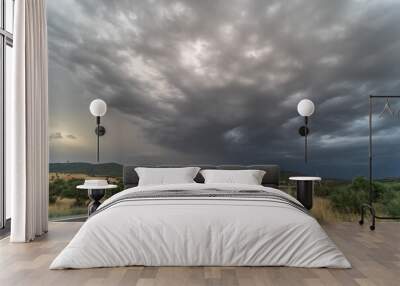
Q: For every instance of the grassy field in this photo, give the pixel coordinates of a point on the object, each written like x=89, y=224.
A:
x=79, y=176
x=322, y=211
x=64, y=208
x=334, y=201
x=65, y=200
x=66, y=176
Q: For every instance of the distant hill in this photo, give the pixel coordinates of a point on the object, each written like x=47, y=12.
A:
x=389, y=179
x=284, y=176
x=106, y=169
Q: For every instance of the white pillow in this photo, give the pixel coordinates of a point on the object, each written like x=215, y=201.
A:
x=165, y=176
x=248, y=177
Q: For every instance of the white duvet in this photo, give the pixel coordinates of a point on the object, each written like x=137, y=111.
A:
x=199, y=231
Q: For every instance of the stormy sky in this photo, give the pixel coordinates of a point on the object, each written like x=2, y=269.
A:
x=200, y=82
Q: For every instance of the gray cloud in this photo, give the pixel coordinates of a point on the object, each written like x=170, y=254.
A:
x=60, y=135
x=71, y=136
x=219, y=83
x=56, y=136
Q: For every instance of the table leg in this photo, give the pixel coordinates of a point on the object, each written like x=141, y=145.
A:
x=305, y=193
x=95, y=197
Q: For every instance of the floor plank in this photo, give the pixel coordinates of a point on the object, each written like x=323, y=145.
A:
x=375, y=257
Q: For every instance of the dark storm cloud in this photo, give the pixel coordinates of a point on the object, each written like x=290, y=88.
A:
x=221, y=79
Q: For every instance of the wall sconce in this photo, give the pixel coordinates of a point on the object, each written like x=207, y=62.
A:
x=98, y=108
x=305, y=108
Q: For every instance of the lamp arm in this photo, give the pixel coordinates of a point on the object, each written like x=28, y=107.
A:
x=305, y=140
x=98, y=138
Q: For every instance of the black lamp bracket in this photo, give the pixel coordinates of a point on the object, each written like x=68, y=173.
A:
x=100, y=130
x=303, y=131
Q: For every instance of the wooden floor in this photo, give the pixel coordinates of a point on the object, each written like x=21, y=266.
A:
x=375, y=257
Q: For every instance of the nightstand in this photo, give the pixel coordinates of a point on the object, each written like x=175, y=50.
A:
x=96, y=190
x=305, y=189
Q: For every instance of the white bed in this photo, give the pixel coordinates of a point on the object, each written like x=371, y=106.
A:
x=205, y=230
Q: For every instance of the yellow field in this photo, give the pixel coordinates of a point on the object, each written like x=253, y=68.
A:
x=66, y=176
x=63, y=207
x=323, y=212
x=69, y=176
x=322, y=209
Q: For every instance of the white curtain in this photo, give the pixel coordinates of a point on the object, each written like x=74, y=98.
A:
x=26, y=124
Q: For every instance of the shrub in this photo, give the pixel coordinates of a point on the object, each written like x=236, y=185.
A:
x=52, y=199
x=391, y=201
x=112, y=192
x=351, y=197
x=322, y=190
x=348, y=200
x=67, y=189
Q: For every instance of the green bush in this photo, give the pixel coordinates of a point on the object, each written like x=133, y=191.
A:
x=391, y=201
x=349, y=198
x=322, y=190
x=112, y=192
x=52, y=198
x=61, y=188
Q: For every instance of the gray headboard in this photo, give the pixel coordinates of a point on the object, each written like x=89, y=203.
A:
x=271, y=177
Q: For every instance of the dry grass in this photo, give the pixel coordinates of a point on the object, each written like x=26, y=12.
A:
x=66, y=176
x=322, y=210
x=64, y=207
x=69, y=176
x=62, y=204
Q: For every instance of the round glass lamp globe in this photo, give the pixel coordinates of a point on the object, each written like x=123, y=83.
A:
x=98, y=107
x=305, y=107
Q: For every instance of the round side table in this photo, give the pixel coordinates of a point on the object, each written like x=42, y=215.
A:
x=305, y=189
x=95, y=193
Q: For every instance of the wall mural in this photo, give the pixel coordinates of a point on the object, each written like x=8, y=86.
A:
x=218, y=82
